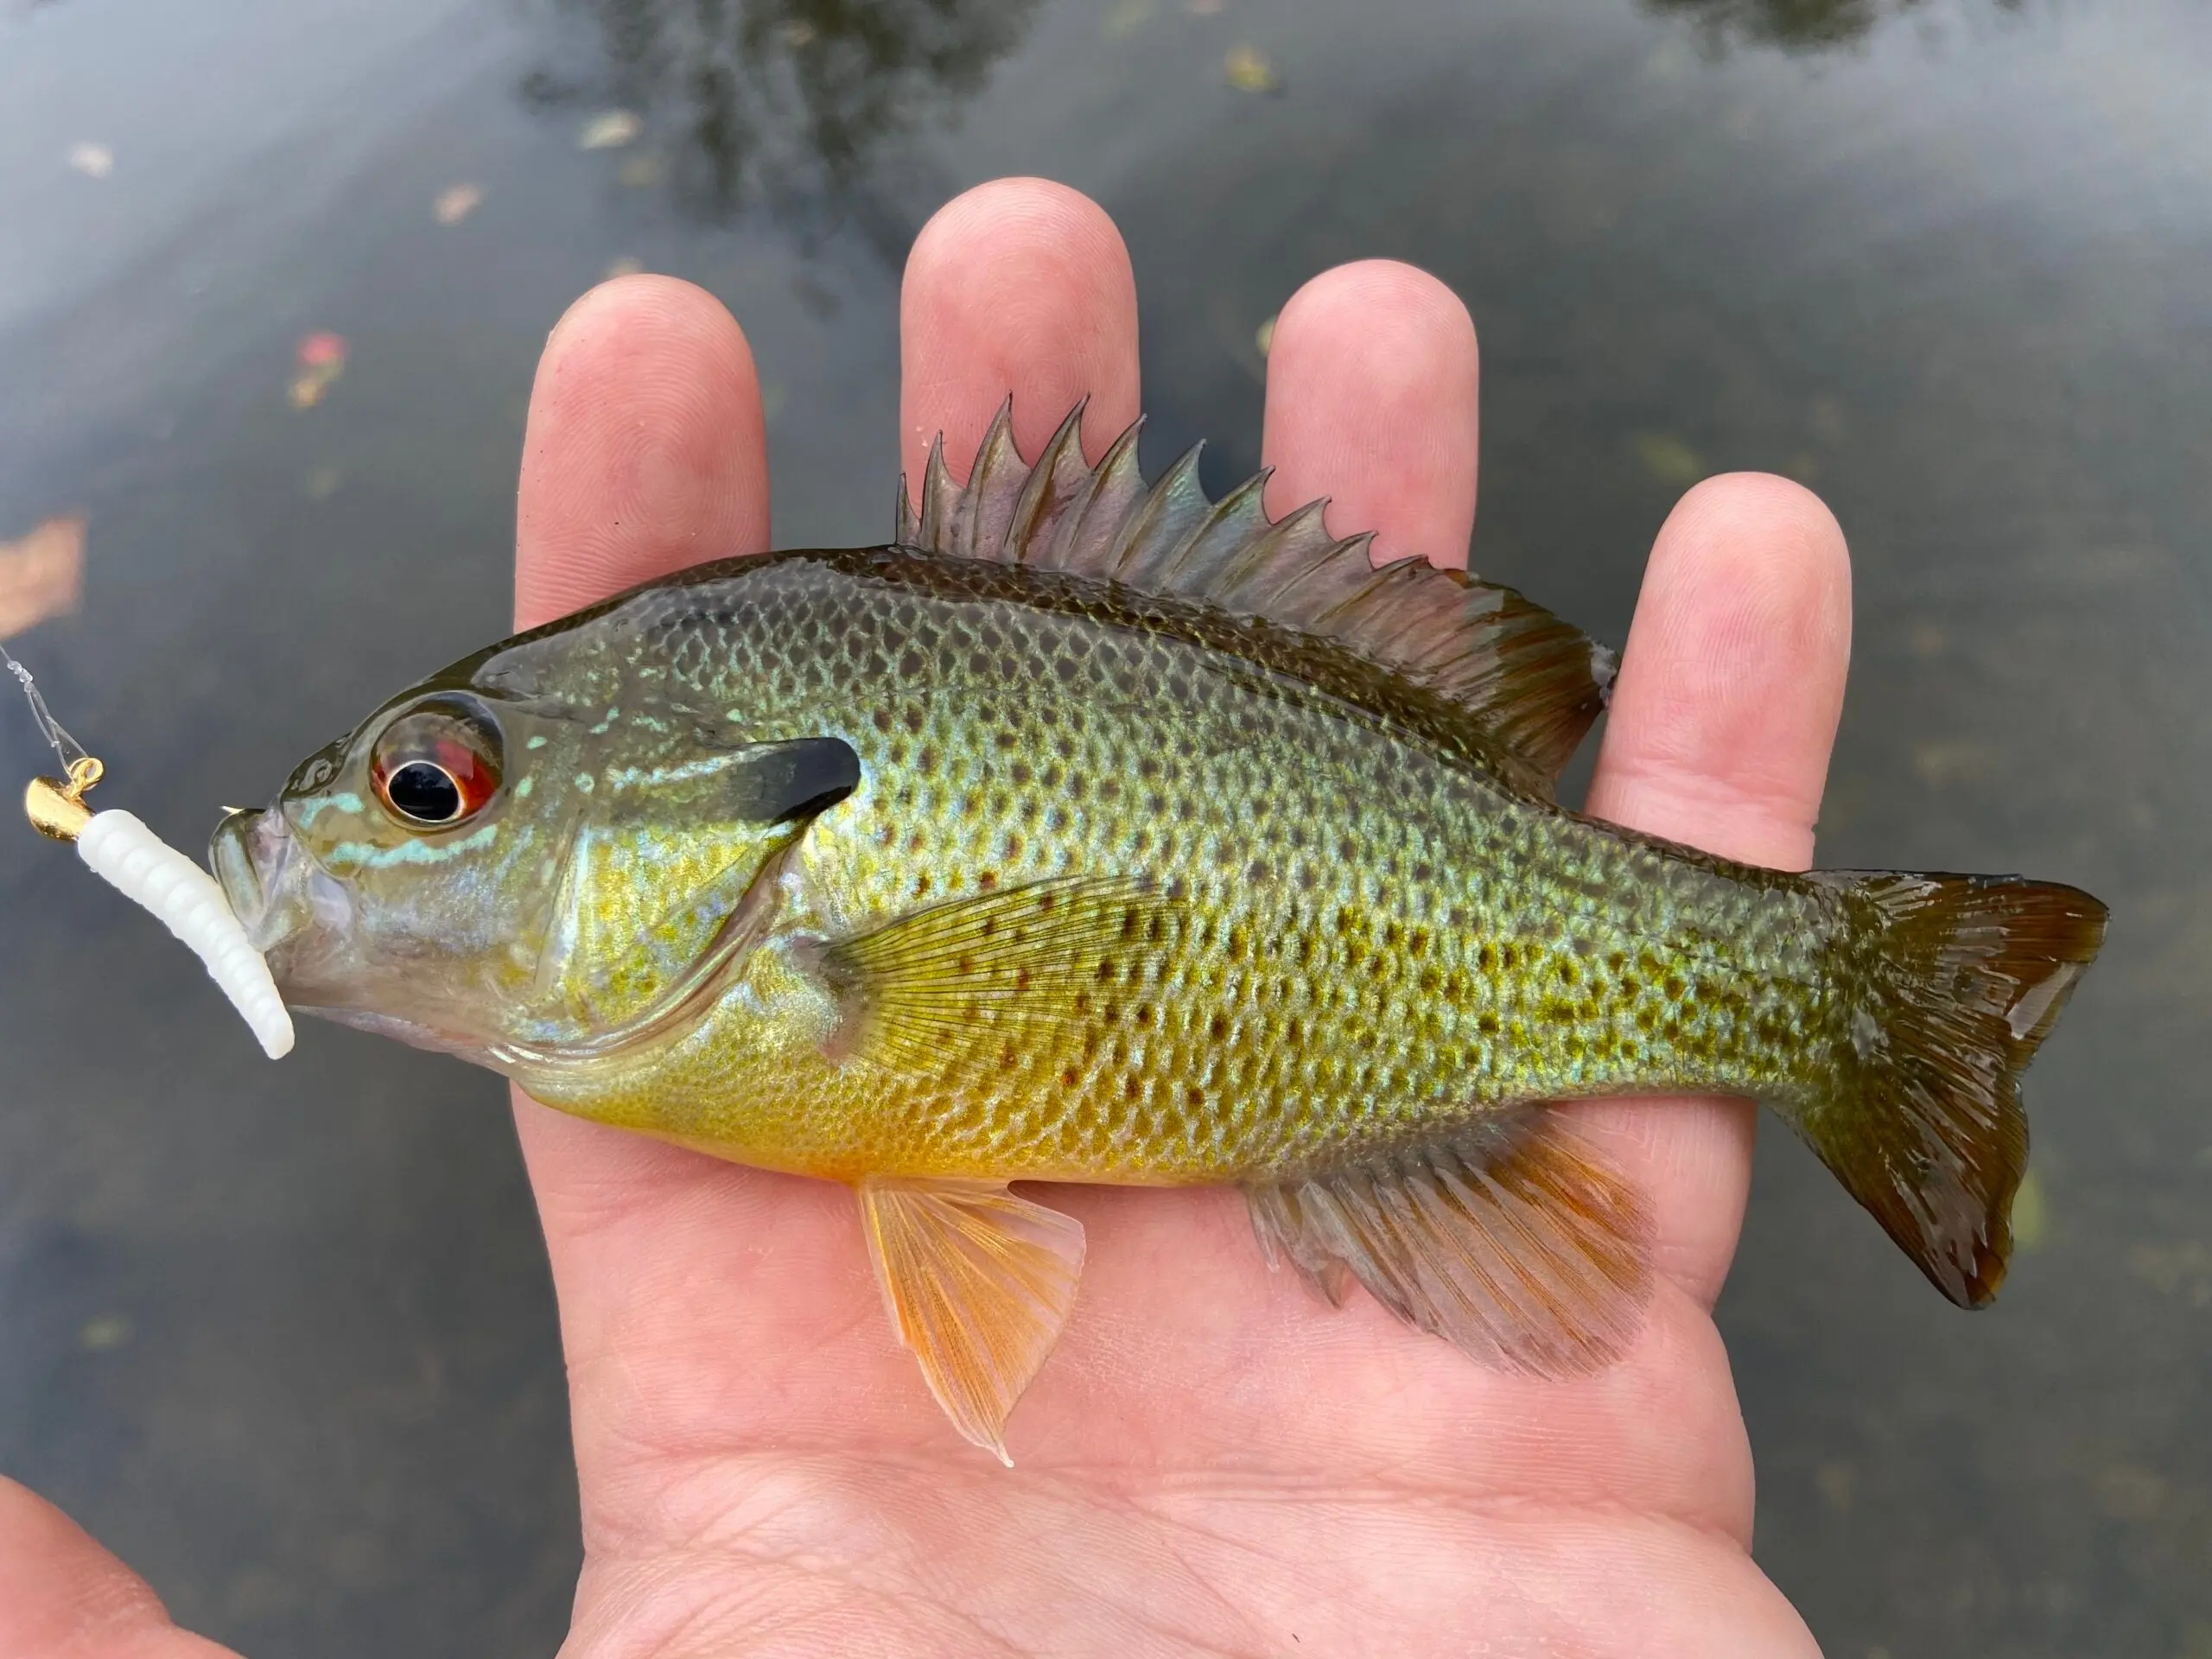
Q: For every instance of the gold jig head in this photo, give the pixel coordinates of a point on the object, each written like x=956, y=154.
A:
x=57, y=806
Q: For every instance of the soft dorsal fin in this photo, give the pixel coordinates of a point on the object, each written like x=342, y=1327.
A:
x=1528, y=684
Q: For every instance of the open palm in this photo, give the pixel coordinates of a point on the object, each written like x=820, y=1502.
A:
x=1211, y=1461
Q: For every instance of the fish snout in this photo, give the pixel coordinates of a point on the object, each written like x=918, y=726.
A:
x=261, y=869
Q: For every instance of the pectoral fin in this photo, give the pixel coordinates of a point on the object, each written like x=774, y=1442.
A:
x=978, y=1283
x=1016, y=965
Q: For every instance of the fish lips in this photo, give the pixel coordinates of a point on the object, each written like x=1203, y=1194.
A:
x=293, y=913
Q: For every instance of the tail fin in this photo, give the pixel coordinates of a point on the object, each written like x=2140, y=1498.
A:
x=1960, y=978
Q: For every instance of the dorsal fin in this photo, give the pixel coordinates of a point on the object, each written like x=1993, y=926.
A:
x=1529, y=683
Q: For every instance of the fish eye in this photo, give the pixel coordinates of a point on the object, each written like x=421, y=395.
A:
x=436, y=766
x=425, y=792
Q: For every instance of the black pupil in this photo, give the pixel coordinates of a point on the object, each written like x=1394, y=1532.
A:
x=424, y=792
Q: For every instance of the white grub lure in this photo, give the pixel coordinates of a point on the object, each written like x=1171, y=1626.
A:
x=123, y=852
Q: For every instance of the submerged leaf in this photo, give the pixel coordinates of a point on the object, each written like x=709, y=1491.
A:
x=42, y=575
x=609, y=130
x=320, y=358
x=2030, y=1214
x=1125, y=18
x=1668, y=460
x=456, y=202
x=1249, y=71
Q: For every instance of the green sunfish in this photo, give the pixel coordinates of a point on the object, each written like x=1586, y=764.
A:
x=1093, y=831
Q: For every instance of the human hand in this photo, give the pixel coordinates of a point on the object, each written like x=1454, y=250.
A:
x=1211, y=1460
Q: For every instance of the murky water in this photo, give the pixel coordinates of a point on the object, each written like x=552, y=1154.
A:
x=283, y=1335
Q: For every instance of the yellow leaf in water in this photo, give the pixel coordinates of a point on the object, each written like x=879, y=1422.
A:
x=1264, y=335
x=1839, y=1484
x=1125, y=18
x=1668, y=460
x=1942, y=762
x=626, y=266
x=105, y=1334
x=456, y=203
x=609, y=130
x=2030, y=1214
x=1249, y=71
x=42, y=576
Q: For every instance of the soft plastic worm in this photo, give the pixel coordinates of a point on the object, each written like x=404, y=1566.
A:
x=184, y=897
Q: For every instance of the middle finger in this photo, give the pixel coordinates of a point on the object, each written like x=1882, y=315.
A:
x=1019, y=287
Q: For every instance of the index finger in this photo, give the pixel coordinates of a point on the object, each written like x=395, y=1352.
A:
x=645, y=452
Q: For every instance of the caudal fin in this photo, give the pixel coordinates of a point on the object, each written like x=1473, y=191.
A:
x=1959, y=979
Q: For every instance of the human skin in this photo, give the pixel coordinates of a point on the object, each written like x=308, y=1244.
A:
x=1211, y=1461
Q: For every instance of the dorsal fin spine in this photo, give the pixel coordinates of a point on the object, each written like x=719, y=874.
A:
x=994, y=486
x=1152, y=535
x=1282, y=539
x=936, y=488
x=1095, y=501
x=1238, y=519
x=1037, y=502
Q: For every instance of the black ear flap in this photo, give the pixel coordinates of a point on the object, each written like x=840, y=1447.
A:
x=782, y=782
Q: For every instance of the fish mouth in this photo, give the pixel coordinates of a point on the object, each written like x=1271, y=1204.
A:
x=281, y=896
x=301, y=918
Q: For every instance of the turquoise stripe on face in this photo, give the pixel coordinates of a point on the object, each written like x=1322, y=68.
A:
x=410, y=852
x=313, y=810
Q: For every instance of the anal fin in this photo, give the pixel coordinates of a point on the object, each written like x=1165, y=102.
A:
x=978, y=1283
x=1511, y=1242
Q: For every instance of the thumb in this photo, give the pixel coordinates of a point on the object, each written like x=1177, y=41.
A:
x=63, y=1596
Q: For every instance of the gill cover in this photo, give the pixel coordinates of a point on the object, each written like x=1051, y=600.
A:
x=669, y=872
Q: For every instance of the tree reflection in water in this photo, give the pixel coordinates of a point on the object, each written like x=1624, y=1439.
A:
x=781, y=100
x=1797, y=25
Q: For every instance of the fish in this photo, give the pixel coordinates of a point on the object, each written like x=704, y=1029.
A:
x=1092, y=830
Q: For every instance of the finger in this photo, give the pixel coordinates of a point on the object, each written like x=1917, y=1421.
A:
x=645, y=449
x=61, y=1595
x=1373, y=383
x=1726, y=710
x=1018, y=288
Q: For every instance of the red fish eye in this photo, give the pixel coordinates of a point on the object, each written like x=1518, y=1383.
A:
x=436, y=767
